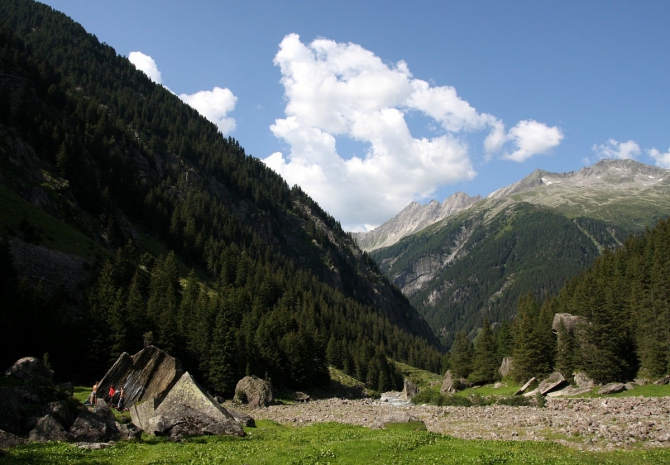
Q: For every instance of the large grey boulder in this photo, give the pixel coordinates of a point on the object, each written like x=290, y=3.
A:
x=570, y=322
x=242, y=419
x=583, y=380
x=98, y=425
x=505, y=367
x=185, y=411
x=526, y=386
x=451, y=384
x=254, y=391
x=409, y=390
x=29, y=367
x=554, y=382
x=63, y=411
x=8, y=440
x=612, y=388
x=48, y=429
x=148, y=374
x=400, y=417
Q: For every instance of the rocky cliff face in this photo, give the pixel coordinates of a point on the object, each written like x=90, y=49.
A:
x=413, y=218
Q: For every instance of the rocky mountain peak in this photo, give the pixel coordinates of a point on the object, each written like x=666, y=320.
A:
x=413, y=218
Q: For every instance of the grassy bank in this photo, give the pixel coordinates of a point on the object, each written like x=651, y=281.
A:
x=328, y=443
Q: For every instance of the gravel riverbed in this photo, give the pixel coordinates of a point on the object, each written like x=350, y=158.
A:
x=592, y=424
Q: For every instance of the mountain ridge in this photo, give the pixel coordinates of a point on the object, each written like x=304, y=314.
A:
x=528, y=237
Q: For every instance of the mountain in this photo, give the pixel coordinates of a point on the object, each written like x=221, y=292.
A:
x=529, y=236
x=112, y=189
x=413, y=218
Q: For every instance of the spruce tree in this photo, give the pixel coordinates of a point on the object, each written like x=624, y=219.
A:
x=485, y=361
x=461, y=355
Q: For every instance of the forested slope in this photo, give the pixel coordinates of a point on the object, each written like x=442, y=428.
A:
x=153, y=188
x=478, y=263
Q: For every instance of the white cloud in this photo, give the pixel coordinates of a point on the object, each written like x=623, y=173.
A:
x=214, y=105
x=662, y=159
x=532, y=138
x=337, y=90
x=615, y=149
x=147, y=65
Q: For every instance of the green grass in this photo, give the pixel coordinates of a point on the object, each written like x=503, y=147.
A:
x=508, y=389
x=650, y=390
x=326, y=443
x=421, y=378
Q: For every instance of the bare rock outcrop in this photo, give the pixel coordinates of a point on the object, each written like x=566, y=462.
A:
x=148, y=374
x=255, y=392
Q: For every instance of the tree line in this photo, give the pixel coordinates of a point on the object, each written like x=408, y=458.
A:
x=624, y=332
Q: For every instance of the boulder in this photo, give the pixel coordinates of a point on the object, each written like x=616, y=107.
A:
x=570, y=322
x=612, y=388
x=525, y=387
x=505, y=367
x=300, y=396
x=47, y=429
x=555, y=381
x=148, y=374
x=254, y=391
x=128, y=431
x=94, y=426
x=62, y=411
x=8, y=440
x=451, y=385
x=242, y=418
x=10, y=410
x=641, y=381
x=400, y=417
x=185, y=411
x=29, y=367
x=664, y=380
x=409, y=390
x=582, y=380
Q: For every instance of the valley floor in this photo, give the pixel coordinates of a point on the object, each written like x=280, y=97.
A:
x=598, y=424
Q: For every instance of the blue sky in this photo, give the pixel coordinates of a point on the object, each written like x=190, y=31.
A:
x=369, y=105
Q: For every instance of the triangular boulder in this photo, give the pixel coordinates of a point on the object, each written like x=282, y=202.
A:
x=148, y=374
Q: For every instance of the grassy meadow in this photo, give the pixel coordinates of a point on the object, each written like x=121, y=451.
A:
x=327, y=443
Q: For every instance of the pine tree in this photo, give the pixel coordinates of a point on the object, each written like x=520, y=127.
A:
x=528, y=357
x=485, y=361
x=461, y=355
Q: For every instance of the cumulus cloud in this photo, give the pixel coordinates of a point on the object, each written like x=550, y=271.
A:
x=662, y=159
x=214, y=105
x=147, y=65
x=339, y=91
x=615, y=149
x=532, y=138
